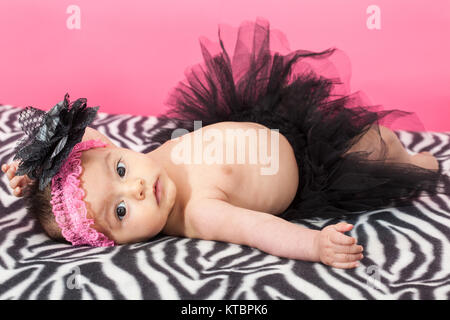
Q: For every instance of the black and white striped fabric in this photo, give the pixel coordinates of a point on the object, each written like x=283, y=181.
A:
x=407, y=250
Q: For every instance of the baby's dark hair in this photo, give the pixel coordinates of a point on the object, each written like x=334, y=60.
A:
x=38, y=205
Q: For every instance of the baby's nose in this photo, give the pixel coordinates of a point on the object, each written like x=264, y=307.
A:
x=139, y=189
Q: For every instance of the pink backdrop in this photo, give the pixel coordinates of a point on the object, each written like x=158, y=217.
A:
x=126, y=55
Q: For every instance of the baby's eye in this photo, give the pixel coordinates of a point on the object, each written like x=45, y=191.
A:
x=121, y=210
x=120, y=169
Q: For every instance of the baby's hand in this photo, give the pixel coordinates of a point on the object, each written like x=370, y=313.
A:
x=17, y=183
x=336, y=249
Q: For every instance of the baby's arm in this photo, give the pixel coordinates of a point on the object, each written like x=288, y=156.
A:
x=213, y=219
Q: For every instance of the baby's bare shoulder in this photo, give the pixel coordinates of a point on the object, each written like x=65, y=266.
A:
x=235, y=125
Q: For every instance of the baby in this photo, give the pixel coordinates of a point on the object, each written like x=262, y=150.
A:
x=133, y=196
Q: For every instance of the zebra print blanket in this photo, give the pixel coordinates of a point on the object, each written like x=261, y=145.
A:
x=407, y=250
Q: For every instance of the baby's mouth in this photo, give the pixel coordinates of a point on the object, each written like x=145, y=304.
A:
x=156, y=190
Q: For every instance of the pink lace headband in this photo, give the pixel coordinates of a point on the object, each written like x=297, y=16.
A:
x=67, y=200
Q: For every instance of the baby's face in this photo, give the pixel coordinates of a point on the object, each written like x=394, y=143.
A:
x=119, y=193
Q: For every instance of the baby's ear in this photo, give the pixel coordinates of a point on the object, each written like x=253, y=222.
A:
x=91, y=133
x=110, y=145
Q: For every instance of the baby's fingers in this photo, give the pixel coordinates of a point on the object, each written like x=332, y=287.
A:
x=5, y=167
x=348, y=257
x=17, y=192
x=12, y=164
x=348, y=249
x=342, y=239
x=11, y=172
x=18, y=181
x=345, y=265
x=343, y=227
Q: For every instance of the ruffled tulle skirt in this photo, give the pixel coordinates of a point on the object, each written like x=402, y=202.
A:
x=306, y=96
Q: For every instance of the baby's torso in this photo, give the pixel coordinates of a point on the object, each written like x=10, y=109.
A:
x=243, y=163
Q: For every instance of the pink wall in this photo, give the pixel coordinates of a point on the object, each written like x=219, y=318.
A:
x=128, y=54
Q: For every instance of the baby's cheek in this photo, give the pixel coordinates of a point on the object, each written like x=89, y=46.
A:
x=146, y=225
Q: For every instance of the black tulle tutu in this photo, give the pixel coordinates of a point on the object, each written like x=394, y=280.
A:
x=306, y=97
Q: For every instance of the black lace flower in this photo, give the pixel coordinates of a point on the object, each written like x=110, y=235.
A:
x=50, y=137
